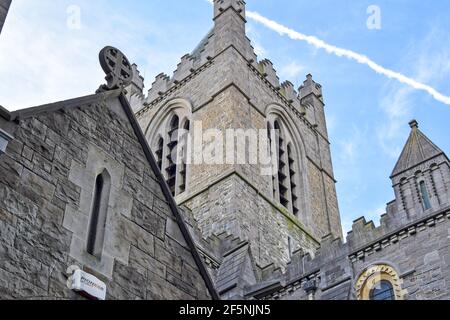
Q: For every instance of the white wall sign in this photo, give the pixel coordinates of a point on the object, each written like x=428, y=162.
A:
x=86, y=284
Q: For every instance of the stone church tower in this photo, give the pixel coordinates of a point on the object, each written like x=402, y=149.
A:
x=155, y=206
x=222, y=85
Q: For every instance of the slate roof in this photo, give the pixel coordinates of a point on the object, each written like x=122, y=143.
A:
x=232, y=268
x=417, y=150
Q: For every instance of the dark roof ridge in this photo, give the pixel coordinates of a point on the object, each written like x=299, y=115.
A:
x=65, y=104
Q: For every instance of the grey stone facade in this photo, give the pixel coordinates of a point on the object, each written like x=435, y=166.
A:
x=4, y=7
x=411, y=247
x=209, y=231
x=46, y=189
x=222, y=85
x=254, y=246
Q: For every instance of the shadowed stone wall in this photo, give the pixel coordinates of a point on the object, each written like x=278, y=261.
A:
x=46, y=187
x=417, y=256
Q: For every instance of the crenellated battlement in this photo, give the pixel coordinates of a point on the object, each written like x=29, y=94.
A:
x=220, y=6
x=310, y=87
x=184, y=68
x=331, y=269
x=159, y=87
x=268, y=71
x=362, y=241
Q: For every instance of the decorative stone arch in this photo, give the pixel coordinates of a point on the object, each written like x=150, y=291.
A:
x=179, y=106
x=294, y=138
x=374, y=275
x=423, y=188
x=436, y=179
x=160, y=126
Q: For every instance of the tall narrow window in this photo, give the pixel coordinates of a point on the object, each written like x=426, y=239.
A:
x=183, y=172
x=290, y=247
x=292, y=175
x=173, y=153
x=425, y=196
x=282, y=177
x=97, y=223
x=159, y=152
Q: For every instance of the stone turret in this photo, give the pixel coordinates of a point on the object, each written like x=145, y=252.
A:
x=135, y=91
x=229, y=23
x=421, y=177
x=310, y=94
x=221, y=6
x=159, y=86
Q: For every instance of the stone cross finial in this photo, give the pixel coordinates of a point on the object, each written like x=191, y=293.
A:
x=414, y=124
x=119, y=72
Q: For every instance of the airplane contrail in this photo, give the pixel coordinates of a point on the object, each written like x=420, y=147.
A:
x=341, y=52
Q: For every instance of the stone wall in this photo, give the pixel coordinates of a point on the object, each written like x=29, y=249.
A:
x=417, y=255
x=46, y=187
x=229, y=93
x=225, y=208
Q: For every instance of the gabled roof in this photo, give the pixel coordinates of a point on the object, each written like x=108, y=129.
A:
x=417, y=150
x=237, y=270
x=118, y=94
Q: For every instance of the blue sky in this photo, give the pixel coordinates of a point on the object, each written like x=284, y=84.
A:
x=42, y=60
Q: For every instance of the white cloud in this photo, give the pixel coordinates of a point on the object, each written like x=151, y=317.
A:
x=352, y=147
x=348, y=149
x=341, y=52
x=42, y=60
x=397, y=106
x=260, y=50
x=430, y=60
x=292, y=71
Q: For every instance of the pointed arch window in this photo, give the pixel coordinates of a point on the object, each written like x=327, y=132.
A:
x=172, y=155
x=425, y=195
x=99, y=210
